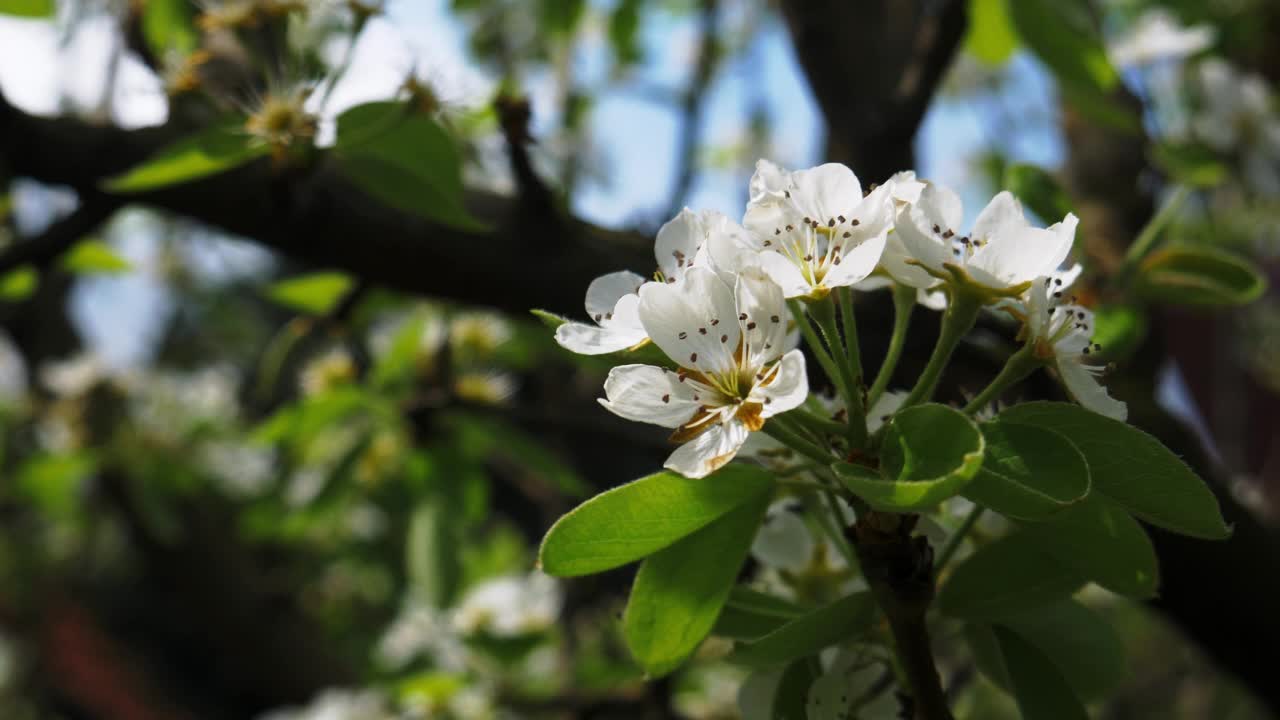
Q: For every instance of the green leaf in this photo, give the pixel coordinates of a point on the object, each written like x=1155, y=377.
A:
x=550, y=319
x=635, y=520
x=1029, y=473
x=791, y=699
x=750, y=615
x=560, y=17
x=1104, y=544
x=167, y=26
x=19, y=283
x=1038, y=686
x=1039, y=190
x=1061, y=33
x=811, y=633
x=624, y=32
x=1198, y=275
x=1132, y=468
x=28, y=8
x=53, y=482
x=94, y=256
x=398, y=362
x=431, y=555
x=680, y=590
x=1079, y=642
x=1119, y=329
x=991, y=38
x=930, y=452
x=314, y=294
x=1190, y=164
x=405, y=159
x=1006, y=577
x=204, y=154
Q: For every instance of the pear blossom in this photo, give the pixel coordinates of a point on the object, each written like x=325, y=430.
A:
x=613, y=299
x=509, y=606
x=1001, y=253
x=810, y=230
x=1238, y=117
x=1062, y=333
x=729, y=341
x=1157, y=35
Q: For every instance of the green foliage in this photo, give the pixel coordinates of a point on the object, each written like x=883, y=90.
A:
x=1039, y=190
x=680, y=590
x=432, y=561
x=1038, y=686
x=1190, y=164
x=1198, y=275
x=1006, y=577
x=790, y=700
x=1104, y=544
x=992, y=37
x=93, y=257
x=314, y=294
x=1119, y=329
x=624, y=32
x=750, y=615
x=1078, y=641
x=28, y=8
x=635, y=520
x=207, y=152
x=834, y=623
x=167, y=26
x=405, y=159
x=1132, y=468
x=929, y=453
x=1029, y=473
x=53, y=482
x=19, y=284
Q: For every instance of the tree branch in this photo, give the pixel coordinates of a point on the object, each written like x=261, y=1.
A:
x=322, y=219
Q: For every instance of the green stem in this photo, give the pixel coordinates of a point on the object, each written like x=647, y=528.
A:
x=1146, y=240
x=824, y=312
x=957, y=537
x=777, y=430
x=904, y=302
x=838, y=538
x=815, y=343
x=1020, y=365
x=853, y=351
x=817, y=423
x=962, y=313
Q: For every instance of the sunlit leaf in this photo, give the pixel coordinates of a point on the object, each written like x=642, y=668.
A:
x=810, y=633
x=28, y=8
x=314, y=294
x=1198, y=275
x=209, y=152
x=992, y=37
x=1029, y=473
x=18, y=284
x=167, y=26
x=94, y=256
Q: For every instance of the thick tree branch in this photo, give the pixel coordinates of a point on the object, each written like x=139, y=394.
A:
x=874, y=67
x=322, y=219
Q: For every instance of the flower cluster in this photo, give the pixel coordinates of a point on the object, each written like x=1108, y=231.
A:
x=726, y=296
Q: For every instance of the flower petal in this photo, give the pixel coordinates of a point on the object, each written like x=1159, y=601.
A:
x=787, y=390
x=1085, y=388
x=649, y=394
x=785, y=273
x=783, y=540
x=769, y=181
x=605, y=291
x=587, y=339
x=762, y=315
x=1003, y=214
x=1011, y=258
x=708, y=452
x=856, y=263
x=894, y=260
x=922, y=244
x=885, y=406
x=694, y=322
x=825, y=192
x=678, y=243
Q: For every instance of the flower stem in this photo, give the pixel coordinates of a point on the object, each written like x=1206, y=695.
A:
x=777, y=429
x=962, y=313
x=953, y=542
x=1146, y=240
x=811, y=338
x=853, y=351
x=904, y=302
x=817, y=423
x=824, y=313
x=1019, y=365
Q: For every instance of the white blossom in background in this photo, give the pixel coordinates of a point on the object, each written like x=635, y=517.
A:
x=784, y=541
x=1157, y=35
x=73, y=376
x=841, y=692
x=1238, y=117
x=884, y=407
x=13, y=373
x=509, y=606
x=435, y=332
x=485, y=387
x=1062, y=333
x=241, y=470
x=326, y=371
x=422, y=631
x=729, y=342
x=170, y=403
x=1002, y=252
x=613, y=300
x=811, y=230
x=479, y=332
x=338, y=704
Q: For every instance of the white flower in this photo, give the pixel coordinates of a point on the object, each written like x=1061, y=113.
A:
x=421, y=630
x=884, y=407
x=1002, y=252
x=240, y=469
x=1238, y=117
x=485, y=387
x=74, y=376
x=1062, y=334
x=729, y=343
x=509, y=606
x=326, y=371
x=784, y=540
x=1157, y=35
x=613, y=299
x=810, y=230
x=339, y=704
x=479, y=332
x=613, y=302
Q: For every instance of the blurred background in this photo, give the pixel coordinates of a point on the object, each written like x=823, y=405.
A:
x=279, y=436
